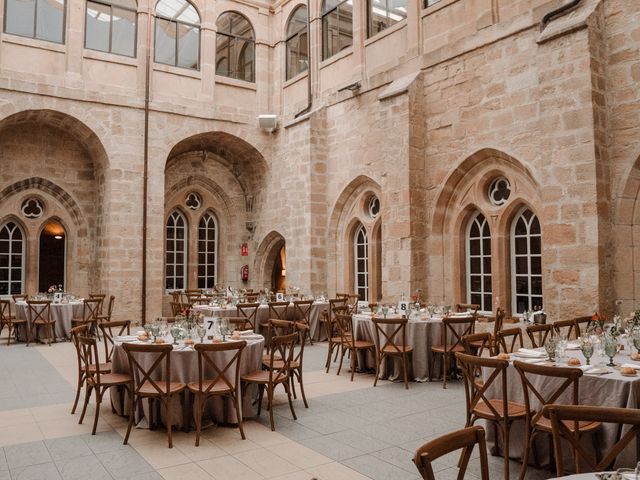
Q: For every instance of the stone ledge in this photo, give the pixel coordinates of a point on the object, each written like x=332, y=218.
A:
x=576, y=19
x=399, y=86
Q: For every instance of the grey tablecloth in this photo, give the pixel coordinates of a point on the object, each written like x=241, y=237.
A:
x=184, y=368
x=62, y=313
x=317, y=308
x=421, y=335
x=611, y=390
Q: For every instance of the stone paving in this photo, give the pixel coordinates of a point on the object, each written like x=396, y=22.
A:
x=351, y=430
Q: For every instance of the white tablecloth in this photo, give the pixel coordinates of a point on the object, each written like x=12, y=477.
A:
x=184, y=368
x=62, y=313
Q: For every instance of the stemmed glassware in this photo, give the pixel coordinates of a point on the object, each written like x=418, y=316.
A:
x=587, y=348
x=201, y=331
x=224, y=328
x=385, y=310
x=550, y=346
x=176, y=333
x=610, y=349
x=155, y=330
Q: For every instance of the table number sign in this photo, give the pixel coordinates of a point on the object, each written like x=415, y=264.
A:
x=57, y=297
x=279, y=297
x=403, y=307
x=211, y=324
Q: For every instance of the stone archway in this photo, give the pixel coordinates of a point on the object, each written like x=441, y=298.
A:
x=267, y=256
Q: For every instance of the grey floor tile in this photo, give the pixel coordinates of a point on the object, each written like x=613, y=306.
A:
x=397, y=456
x=103, y=442
x=82, y=468
x=26, y=454
x=363, y=442
x=44, y=471
x=124, y=463
x=143, y=476
x=65, y=448
x=3, y=460
x=378, y=469
x=331, y=448
x=5, y=475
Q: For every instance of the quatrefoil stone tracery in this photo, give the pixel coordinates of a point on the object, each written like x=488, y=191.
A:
x=499, y=191
x=193, y=201
x=32, y=208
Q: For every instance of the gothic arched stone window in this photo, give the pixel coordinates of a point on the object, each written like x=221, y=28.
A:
x=478, y=262
x=207, y=250
x=361, y=263
x=176, y=251
x=526, y=262
x=11, y=259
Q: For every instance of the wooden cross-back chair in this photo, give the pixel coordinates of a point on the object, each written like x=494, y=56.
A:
x=281, y=356
x=39, y=315
x=465, y=439
x=90, y=312
x=96, y=381
x=550, y=392
x=538, y=333
x=451, y=325
x=177, y=308
x=465, y=307
x=348, y=343
x=329, y=321
x=120, y=327
x=246, y=315
x=571, y=328
x=216, y=383
x=352, y=302
x=481, y=405
x=582, y=325
x=144, y=385
x=101, y=297
x=509, y=339
x=477, y=343
x=493, y=342
x=10, y=321
x=388, y=346
x=107, y=317
x=302, y=313
x=75, y=333
x=20, y=297
x=277, y=311
x=275, y=328
x=562, y=416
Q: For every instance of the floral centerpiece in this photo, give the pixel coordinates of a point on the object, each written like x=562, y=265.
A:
x=52, y=289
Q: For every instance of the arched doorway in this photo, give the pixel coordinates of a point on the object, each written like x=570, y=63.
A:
x=51, y=263
x=279, y=272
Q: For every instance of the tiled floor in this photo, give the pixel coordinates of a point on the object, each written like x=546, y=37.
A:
x=350, y=431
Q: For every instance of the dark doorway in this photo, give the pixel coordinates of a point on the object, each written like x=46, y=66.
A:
x=278, y=275
x=53, y=241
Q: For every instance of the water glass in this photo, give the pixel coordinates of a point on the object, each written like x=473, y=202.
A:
x=551, y=346
x=385, y=310
x=611, y=349
x=587, y=349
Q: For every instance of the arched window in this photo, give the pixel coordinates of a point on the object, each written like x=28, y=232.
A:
x=177, y=34
x=235, y=41
x=384, y=13
x=297, y=60
x=207, y=251
x=361, y=263
x=337, y=26
x=41, y=19
x=176, y=252
x=11, y=259
x=526, y=262
x=111, y=26
x=479, y=263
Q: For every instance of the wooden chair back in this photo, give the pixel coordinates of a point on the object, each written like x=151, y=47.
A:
x=217, y=374
x=509, y=339
x=249, y=311
x=344, y=323
x=476, y=388
x=5, y=311
x=342, y=296
x=563, y=415
x=452, y=327
x=281, y=354
x=100, y=297
x=303, y=330
x=192, y=297
x=499, y=322
x=141, y=375
x=20, y=297
x=302, y=310
x=87, y=349
x=112, y=300
x=251, y=297
x=465, y=307
x=550, y=392
x=538, y=333
x=108, y=335
x=177, y=308
x=571, y=328
x=582, y=325
x=477, y=343
x=176, y=296
x=398, y=327
x=39, y=310
x=352, y=302
x=91, y=309
x=278, y=310
x=465, y=439
x=276, y=327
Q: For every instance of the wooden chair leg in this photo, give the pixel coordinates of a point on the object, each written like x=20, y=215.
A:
x=341, y=358
x=97, y=414
x=293, y=413
x=378, y=362
x=236, y=404
x=197, y=417
x=78, y=388
x=329, y=352
x=445, y=365
x=87, y=397
x=270, y=406
x=167, y=408
x=405, y=365
x=525, y=456
x=304, y=397
x=354, y=361
x=133, y=407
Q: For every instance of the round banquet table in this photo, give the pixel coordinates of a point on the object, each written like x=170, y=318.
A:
x=420, y=334
x=62, y=313
x=609, y=390
x=317, y=308
x=184, y=369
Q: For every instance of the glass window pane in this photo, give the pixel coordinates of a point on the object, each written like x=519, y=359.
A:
x=474, y=265
x=536, y=265
x=486, y=246
x=188, y=46
x=474, y=247
x=97, y=30
x=536, y=302
x=123, y=41
x=522, y=285
x=298, y=21
x=378, y=20
x=521, y=227
x=475, y=283
x=346, y=25
x=535, y=245
x=522, y=265
x=536, y=285
x=19, y=17
x=165, y=46
x=487, y=303
x=521, y=245
x=486, y=264
x=487, y=283
x=476, y=298
x=50, y=20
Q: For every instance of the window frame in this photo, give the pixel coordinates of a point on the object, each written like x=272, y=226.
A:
x=174, y=252
x=211, y=215
x=177, y=23
x=23, y=255
x=370, y=33
x=135, y=28
x=231, y=39
x=296, y=35
x=35, y=24
x=481, y=256
x=528, y=256
x=356, y=258
x=322, y=27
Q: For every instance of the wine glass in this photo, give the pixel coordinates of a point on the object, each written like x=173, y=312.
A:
x=550, y=346
x=224, y=328
x=201, y=331
x=385, y=310
x=587, y=348
x=155, y=330
x=636, y=339
x=176, y=333
x=610, y=349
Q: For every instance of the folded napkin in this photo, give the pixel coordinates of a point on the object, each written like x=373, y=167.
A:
x=573, y=346
x=126, y=338
x=246, y=332
x=461, y=314
x=630, y=365
x=527, y=352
